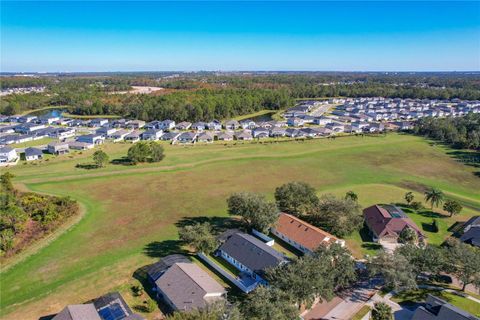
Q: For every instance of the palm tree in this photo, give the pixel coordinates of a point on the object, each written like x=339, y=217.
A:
x=434, y=196
x=382, y=311
x=351, y=195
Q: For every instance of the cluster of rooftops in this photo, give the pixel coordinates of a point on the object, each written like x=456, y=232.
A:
x=183, y=285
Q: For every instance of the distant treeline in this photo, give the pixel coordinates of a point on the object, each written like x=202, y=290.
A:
x=462, y=132
x=206, y=96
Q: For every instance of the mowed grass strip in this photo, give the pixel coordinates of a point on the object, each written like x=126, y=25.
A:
x=132, y=212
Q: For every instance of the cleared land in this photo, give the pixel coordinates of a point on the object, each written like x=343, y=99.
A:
x=132, y=211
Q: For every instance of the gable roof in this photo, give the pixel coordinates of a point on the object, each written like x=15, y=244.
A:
x=302, y=232
x=472, y=236
x=155, y=270
x=33, y=152
x=251, y=252
x=388, y=220
x=78, y=312
x=185, y=285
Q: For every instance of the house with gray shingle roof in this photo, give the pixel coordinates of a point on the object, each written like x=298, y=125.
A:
x=250, y=255
x=185, y=286
x=33, y=154
x=438, y=309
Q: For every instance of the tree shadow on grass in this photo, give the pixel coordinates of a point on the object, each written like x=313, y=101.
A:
x=158, y=249
x=49, y=317
x=219, y=224
x=87, y=166
x=371, y=246
x=428, y=227
x=124, y=161
x=431, y=214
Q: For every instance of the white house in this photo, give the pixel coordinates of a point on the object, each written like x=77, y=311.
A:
x=7, y=154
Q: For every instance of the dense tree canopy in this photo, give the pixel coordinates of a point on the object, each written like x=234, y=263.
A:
x=255, y=211
x=297, y=198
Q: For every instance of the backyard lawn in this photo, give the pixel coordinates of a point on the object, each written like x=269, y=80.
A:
x=132, y=212
x=414, y=296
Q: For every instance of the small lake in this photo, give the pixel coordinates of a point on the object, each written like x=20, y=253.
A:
x=263, y=117
x=48, y=113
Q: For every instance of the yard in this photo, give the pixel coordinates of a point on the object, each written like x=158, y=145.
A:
x=132, y=211
x=414, y=296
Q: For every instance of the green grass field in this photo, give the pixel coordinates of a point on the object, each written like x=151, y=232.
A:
x=32, y=143
x=132, y=211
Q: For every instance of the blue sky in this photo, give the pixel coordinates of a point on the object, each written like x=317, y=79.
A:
x=343, y=36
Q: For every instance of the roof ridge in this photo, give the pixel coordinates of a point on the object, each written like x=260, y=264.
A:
x=309, y=225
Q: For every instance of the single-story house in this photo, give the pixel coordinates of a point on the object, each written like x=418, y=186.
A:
x=110, y=306
x=133, y=136
x=94, y=139
x=28, y=127
x=295, y=122
x=119, y=135
x=260, y=133
x=225, y=136
x=33, y=154
x=250, y=255
x=302, y=235
x=232, y=125
x=98, y=123
x=135, y=124
x=77, y=145
x=386, y=222
x=187, y=137
x=170, y=136
x=105, y=131
x=243, y=135
x=438, y=309
x=26, y=118
x=278, y=132
x=205, y=137
x=7, y=154
x=184, y=125
x=184, y=286
x=214, y=125
x=471, y=231
x=166, y=125
x=248, y=124
x=199, y=126
x=152, y=134
x=57, y=148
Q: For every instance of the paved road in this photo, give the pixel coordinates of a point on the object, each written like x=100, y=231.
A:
x=320, y=110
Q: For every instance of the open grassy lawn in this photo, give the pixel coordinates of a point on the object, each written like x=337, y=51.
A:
x=33, y=143
x=132, y=212
x=413, y=296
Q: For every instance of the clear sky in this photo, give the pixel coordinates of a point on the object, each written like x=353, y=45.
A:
x=157, y=36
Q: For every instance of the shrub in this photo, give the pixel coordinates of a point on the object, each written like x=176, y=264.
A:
x=416, y=205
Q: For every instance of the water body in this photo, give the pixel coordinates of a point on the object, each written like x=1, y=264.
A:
x=263, y=117
x=48, y=113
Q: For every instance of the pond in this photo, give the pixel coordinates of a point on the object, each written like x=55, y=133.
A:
x=48, y=113
x=263, y=117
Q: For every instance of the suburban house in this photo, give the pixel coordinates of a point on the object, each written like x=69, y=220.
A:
x=199, y=126
x=97, y=123
x=386, y=222
x=135, y=124
x=184, y=125
x=184, y=286
x=91, y=138
x=232, y=125
x=205, y=137
x=57, y=148
x=471, y=231
x=110, y=306
x=248, y=124
x=26, y=118
x=7, y=154
x=260, y=133
x=29, y=127
x=33, y=154
x=214, y=125
x=77, y=145
x=187, y=137
x=302, y=235
x=152, y=134
x=170, y=136
x=133, y=136
x=166, y=125
x=225, y=136
x=249, y=255
x=438, y=309
x=105, y=131
x=243, y=135
x=119, y=135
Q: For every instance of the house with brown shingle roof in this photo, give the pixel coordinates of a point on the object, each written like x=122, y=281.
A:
x=302, y=235
x=386, y=222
